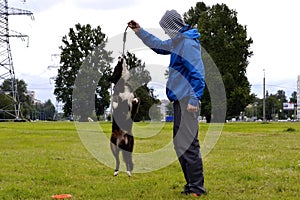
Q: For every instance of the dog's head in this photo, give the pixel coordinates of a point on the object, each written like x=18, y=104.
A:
x=120, y=71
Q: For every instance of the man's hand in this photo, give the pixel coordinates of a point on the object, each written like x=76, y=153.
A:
x=191, y=108
x=134, y=25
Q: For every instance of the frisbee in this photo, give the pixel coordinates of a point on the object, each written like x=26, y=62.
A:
x=62, y=196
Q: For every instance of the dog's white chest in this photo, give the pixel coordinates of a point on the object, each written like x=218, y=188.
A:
x=126, y=95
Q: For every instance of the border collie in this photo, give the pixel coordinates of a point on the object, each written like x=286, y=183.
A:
x=125, y=106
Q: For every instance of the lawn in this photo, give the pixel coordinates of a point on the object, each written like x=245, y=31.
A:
x=249, y=161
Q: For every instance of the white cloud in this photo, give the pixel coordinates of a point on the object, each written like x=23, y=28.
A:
x=103, y=4
x=34, y=5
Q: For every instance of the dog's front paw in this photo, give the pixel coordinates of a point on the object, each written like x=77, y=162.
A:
x=135, y=100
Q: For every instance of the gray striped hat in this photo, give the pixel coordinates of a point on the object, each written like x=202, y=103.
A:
x=171, y=22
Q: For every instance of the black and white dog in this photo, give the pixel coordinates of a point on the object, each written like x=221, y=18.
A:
x=125, y=106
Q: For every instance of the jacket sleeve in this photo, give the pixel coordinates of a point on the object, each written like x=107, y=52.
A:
x=192, y=60
x=157, y=45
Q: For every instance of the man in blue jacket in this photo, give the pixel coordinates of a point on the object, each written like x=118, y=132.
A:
x=185, y=87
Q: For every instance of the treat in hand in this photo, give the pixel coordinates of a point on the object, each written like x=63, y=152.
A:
x=133, y=25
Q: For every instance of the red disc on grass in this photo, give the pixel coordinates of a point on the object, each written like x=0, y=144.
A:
x=62, y=196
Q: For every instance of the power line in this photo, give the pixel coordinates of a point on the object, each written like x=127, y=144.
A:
x=6, y=63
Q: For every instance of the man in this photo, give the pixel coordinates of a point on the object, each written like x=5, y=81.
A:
x=185, y=87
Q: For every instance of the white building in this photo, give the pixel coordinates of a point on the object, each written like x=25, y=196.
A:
x=32, y=96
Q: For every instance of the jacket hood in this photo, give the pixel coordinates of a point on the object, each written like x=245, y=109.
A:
x=171, y=23
x=189, y=32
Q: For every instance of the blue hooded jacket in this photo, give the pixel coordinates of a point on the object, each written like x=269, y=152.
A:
x=186, y=69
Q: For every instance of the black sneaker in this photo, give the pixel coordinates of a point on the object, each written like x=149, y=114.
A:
x=186, y=192
x=192, y=193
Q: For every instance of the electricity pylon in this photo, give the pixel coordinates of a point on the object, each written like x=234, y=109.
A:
x=12, y=109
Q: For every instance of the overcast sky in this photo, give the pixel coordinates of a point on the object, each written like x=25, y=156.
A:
x=272, y=24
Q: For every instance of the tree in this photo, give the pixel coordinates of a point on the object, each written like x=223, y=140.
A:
x=293, y=98
x=226, y=42
x=42, y=111
x=140, y=77
x=21, y=89
x=49, y=110
x=24, y=98
x=273, y=107
x=83, y=53
x=280, y=95
x=5, y=102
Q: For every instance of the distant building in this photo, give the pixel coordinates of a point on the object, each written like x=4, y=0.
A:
x=163, y=108
x=32, y=96
x=298, y=98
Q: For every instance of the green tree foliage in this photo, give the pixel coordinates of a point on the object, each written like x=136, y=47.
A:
x=6, y=100
x=226, y=42
x=21, y=89
x=23, y=97
x=29, y=109
x=280, y=95
x=83, y=52
x=6, y=104
x=42, y=111
x=48, y=110
x=274, y=105
x=140, y=77
x=293, y=98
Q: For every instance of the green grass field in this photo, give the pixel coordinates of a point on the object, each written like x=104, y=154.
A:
x=250, y=161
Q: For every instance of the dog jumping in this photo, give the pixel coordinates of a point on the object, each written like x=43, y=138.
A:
x=125, y=106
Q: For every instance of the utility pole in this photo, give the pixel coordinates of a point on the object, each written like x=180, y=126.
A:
x=7, y=71
x=264, y=97
x=56, y=60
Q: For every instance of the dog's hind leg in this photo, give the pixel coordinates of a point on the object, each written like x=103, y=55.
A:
x=115, y=150
x=116, y=173
x=127, y=154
